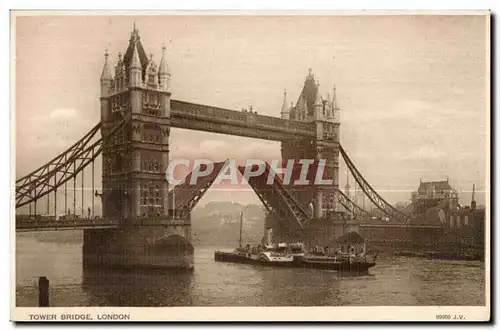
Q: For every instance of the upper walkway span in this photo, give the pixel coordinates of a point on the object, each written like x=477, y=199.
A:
x=186, y=115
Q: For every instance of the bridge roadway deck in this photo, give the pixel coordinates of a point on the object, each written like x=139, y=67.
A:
x=398, y=225
x=82, y=224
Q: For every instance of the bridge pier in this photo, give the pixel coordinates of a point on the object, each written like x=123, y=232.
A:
x=153, y=244
x=324, y=231
x=317, y=232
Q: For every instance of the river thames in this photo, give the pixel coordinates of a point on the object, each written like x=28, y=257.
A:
x=393, y=281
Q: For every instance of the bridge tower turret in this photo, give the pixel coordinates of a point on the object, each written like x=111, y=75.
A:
x=324, y=149
x=135, y=69
x=285, y=108
x=135, y=161
x=163, y=72
x=106, y=86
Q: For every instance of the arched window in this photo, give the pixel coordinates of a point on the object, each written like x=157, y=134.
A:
x=451, y=221
x=466, y=220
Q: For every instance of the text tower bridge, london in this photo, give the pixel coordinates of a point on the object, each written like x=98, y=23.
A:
x=144, y=221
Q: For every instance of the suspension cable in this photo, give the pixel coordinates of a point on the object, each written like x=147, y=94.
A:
x=83, y=155
x=377, y=200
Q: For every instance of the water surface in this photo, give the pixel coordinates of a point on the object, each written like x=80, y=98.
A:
x=393, y=281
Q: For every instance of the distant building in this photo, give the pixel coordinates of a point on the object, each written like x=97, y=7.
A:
x=433, y=194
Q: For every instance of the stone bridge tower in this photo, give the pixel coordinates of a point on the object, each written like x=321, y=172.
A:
x=322, y=200
x=134, y=163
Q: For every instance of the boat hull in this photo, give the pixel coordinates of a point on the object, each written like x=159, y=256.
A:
x=304, y=263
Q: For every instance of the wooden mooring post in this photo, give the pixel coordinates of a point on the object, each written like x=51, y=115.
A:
x=43, y=292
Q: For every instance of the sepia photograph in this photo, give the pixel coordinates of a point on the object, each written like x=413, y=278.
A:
x=321, y=161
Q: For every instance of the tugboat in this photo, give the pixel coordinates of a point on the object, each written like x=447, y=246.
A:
x=350, y=255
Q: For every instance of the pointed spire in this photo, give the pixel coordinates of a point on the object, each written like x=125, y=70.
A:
x=163, y=69
x=334, y=100
x=328, y=107
x=134, y=36
x=106, y=73
x=135, y=62
x=310, y=75
x=284, y=107
x=318, y=100
x=135, y=68
x=285, y=110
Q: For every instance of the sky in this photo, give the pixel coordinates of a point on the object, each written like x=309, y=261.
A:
x=412, y=90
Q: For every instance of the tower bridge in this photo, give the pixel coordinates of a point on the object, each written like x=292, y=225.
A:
x=147, y=223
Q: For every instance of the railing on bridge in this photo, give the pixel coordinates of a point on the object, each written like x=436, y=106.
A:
x=51, y=224
x=204, y=117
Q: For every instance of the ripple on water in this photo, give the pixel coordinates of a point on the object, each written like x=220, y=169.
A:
x=398, y=281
